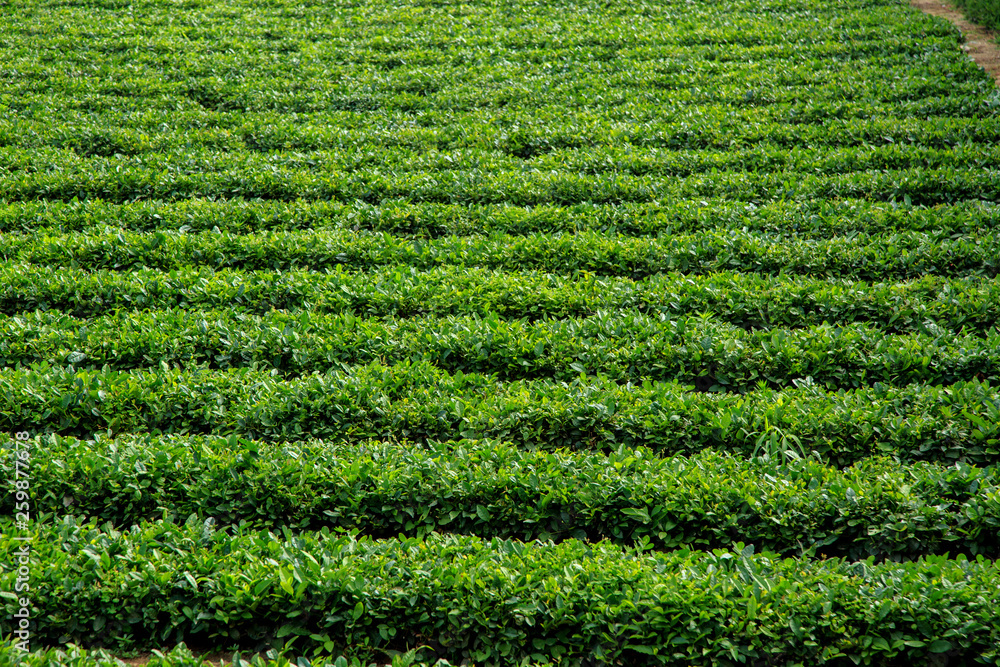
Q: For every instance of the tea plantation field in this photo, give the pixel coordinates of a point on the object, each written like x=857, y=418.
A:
x=576, y=332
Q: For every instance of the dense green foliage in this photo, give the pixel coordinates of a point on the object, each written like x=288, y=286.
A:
x=500, y=332
x=985, y=12
x=501, y=600
x=182, y=656
x=750, y=301
x=621, y=346
x=420, y=402
x=876, y=508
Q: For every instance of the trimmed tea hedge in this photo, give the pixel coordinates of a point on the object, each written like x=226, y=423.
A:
x=417, y=401
x=497, y=601
x=817, y=218
x=746, y=300
x=875, y=508
x=901, y=256
x=622, y=346
x=181, y=656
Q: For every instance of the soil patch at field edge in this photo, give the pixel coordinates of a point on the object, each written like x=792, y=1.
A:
x=216, y=659
x=980, y=43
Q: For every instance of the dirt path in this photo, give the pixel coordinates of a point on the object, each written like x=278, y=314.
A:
x=980, y=43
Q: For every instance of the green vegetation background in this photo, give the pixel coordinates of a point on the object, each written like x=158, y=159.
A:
x=984, y=12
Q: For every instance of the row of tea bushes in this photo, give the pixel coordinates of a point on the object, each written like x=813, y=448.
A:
x=498, y=601
x=876, y=257
x=182, y=656
x=811, y=219
x=627, y=347
x=927, y=305
x=875, y=508
x=227, y=177
x=420, y=402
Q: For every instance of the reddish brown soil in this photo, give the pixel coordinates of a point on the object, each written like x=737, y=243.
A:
x=217, y=659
